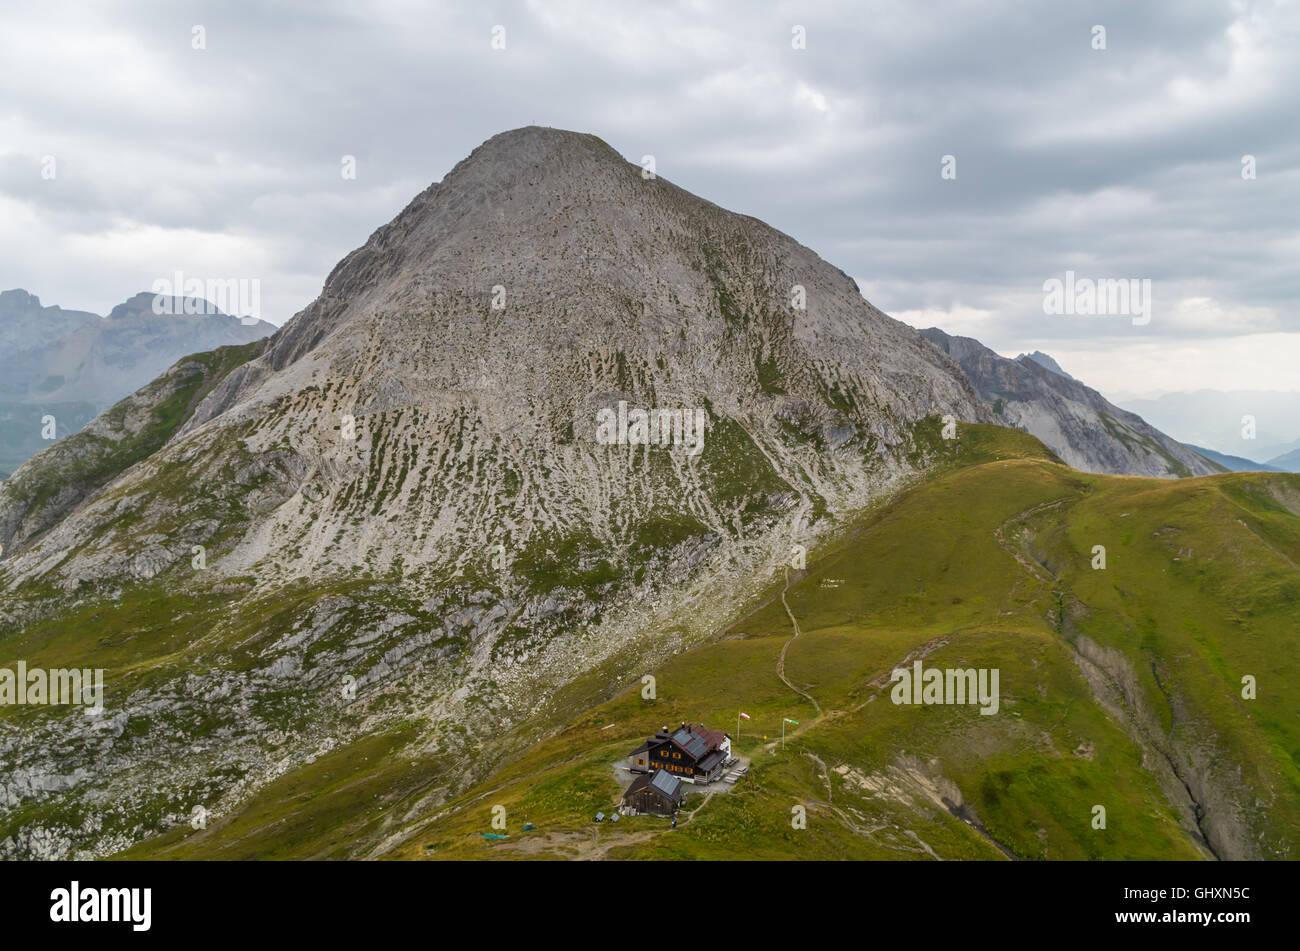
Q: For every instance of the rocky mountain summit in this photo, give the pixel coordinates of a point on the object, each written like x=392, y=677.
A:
x=1045, y=360
x=454, y=368
x=402, y=514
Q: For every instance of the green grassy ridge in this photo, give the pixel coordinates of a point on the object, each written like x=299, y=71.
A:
x=1026, y=780
x=753, y=821
x=1227, y=555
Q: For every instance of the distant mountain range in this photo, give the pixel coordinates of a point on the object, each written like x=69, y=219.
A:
x=1287, y=462
x=72, y=365
x=1235, y=463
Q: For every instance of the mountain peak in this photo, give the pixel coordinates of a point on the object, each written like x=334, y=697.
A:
x=557, y=225
x=18, y=299
x=539, y=143
x=1045, y=361
x=143, y=304
x=544, y=281
x=528, y=160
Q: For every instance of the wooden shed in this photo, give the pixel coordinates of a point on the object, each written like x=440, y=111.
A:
x=656, y=794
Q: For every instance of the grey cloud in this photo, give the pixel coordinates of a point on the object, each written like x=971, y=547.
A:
x=1115, y=163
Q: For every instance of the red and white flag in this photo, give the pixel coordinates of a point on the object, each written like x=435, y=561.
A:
x=744, y=716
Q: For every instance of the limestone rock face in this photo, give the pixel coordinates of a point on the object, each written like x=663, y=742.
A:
x=442, y=394
x=1076, y=422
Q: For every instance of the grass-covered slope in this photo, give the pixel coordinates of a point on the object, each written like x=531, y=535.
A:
x=1120, y=687
x=55, y=481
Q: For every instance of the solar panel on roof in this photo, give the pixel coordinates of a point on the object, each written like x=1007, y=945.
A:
x=666, y=782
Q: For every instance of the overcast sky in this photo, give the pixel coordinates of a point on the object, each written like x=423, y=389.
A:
x=1122, y=162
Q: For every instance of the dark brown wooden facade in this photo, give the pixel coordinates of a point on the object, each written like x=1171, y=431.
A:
x=694, y=753
x=656, y=794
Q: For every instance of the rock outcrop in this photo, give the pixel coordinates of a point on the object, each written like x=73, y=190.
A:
x=1076, y=422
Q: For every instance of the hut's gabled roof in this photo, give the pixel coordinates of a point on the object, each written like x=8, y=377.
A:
x=663, y=782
